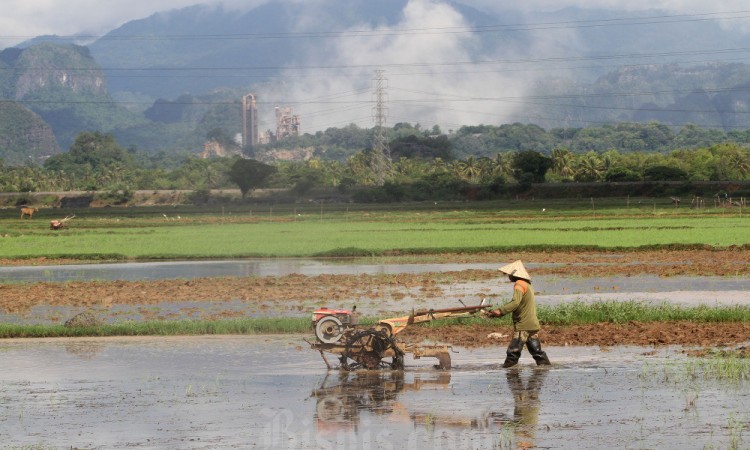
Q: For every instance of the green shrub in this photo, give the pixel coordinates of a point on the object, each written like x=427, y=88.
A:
x=665, y=173
x=199, y=196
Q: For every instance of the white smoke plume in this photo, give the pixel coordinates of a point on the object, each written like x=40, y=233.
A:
x=431, y=79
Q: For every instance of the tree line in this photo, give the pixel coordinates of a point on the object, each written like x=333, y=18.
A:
x=421, y=166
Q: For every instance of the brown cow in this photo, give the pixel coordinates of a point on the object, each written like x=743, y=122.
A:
x=26, y=211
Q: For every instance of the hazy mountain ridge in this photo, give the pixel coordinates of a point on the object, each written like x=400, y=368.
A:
x=24, y=136
x=201, y=39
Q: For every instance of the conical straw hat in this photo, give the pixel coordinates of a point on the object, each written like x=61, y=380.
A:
x=516, y=269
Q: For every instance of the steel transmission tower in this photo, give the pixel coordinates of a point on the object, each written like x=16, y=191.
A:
x=381, y=158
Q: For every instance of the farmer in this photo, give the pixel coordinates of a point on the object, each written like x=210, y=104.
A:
x=525, y=322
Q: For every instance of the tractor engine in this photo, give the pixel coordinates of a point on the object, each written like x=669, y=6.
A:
x=331, y=324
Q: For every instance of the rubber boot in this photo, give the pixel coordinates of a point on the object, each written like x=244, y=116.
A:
x=535, y=348
x=513, y=353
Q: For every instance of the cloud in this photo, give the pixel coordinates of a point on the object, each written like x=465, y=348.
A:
x=24, y=19
x=676, y=6
x=430, y=78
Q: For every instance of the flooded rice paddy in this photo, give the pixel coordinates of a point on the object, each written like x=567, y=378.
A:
x=273, y=392
x=200, y=269
x=551, y=289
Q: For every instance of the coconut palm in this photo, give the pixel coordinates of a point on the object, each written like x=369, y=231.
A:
x=504, y=164
x=333, y=172
x=589, y=167
x=437, y=165
x=739, y=161
x=470, y=169
x=487, y=167
x=359, y=165
x=562, y=162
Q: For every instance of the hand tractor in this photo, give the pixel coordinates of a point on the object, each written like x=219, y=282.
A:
x=60, y=224
x=338, y=332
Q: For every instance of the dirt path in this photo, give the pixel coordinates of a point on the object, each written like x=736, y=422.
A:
x=603, y=334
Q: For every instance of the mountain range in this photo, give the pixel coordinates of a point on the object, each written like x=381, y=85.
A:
x=162, y=83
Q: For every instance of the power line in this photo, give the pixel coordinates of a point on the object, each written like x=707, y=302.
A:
x=514, y=27
x=442, y=98
x=339, y=67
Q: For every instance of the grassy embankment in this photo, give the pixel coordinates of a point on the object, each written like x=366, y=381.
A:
x=566, y=314
x=357, y=230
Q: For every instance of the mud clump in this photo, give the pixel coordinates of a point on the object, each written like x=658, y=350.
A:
x=87, y=318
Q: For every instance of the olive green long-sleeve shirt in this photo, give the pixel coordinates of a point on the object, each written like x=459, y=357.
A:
x=523, y=307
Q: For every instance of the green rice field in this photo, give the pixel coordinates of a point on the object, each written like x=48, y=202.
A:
x=151, y=233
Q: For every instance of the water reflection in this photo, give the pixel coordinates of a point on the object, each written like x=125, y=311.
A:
x=526, y=404
x=343, y=398
x=341, y=402
x=86, y=350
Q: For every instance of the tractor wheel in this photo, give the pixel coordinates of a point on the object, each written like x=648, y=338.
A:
x=365, y=350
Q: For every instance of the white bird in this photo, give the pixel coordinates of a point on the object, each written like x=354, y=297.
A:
x=544, y=209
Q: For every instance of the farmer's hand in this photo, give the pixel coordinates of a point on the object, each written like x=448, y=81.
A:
x=494, y=313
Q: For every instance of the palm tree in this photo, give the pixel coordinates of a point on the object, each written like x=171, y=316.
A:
x=740, y=161
x=333, y=172
x=504, y=164
x=562, y=162
x=409, y=169
x=470, y=169
x=437, y=165
x=360, y=168
x=589, y=167
x=487, y=167
x=455, y=168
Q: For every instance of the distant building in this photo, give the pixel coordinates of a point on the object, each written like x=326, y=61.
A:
x=249, y=120
x=287, y=124
x=213, y=148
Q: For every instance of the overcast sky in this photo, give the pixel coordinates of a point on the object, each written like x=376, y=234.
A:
x=24, y=19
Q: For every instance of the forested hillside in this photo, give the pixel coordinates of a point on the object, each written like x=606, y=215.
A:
x=24, y=136
x=65, y=87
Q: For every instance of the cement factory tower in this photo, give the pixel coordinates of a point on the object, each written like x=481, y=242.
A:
x=287, y=123
x=381, y=158
x=249, y=120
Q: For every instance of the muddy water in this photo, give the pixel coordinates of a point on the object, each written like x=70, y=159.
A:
x=684, y=291
x=272, y=392
x=551, y=289
x=198, y=269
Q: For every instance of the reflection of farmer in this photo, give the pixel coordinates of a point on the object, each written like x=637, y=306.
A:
x=525, y=322
x=527, y=403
